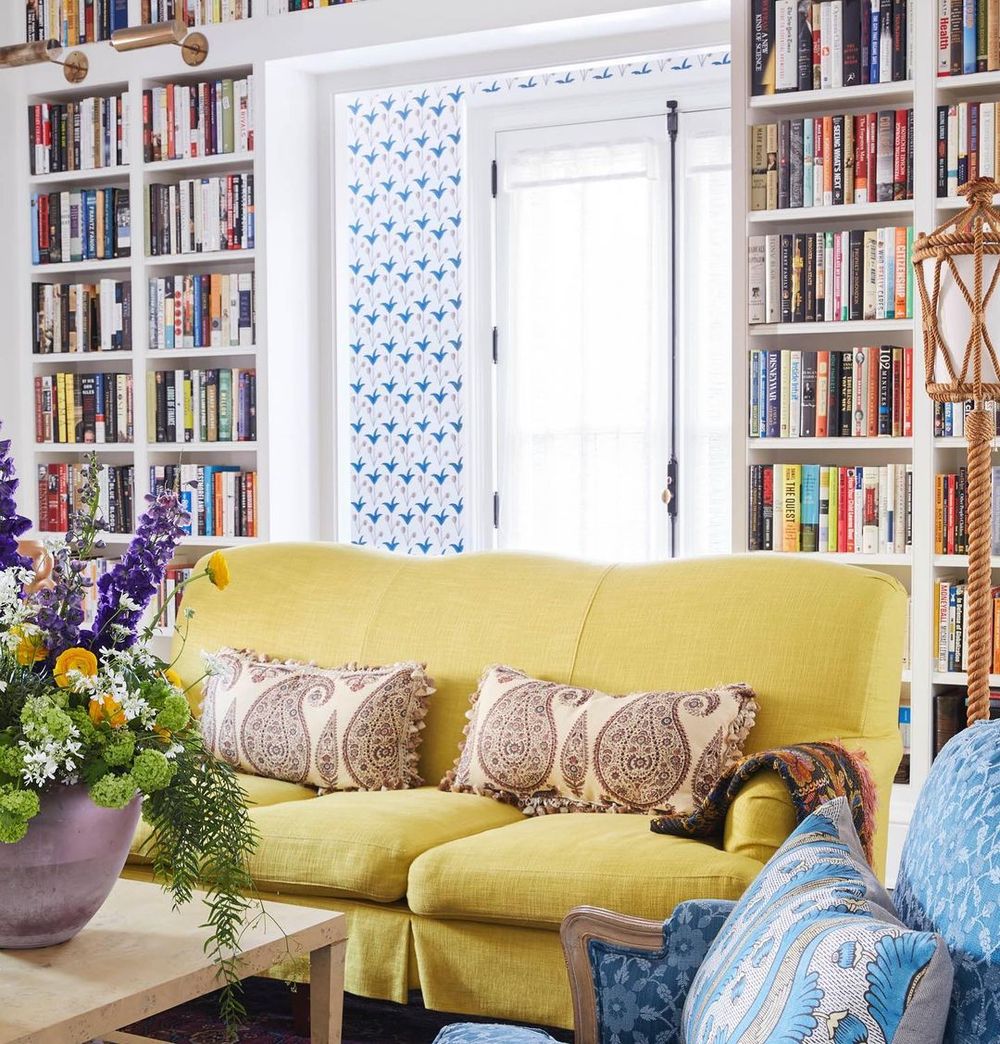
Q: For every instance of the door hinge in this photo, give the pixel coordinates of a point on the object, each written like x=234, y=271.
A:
x=672, y=490
x=495, y=178
x=496, y=345
x=496, y=510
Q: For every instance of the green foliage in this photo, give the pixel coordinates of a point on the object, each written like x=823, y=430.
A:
x=42, y=719
x=17, y=807
x=112, y=791
x=152, y=771
x=176, y=713
x=120, y=751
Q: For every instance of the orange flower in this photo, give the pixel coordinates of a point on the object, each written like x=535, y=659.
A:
x=163, y=734
x=29, y=649
x=107, y=709
x=75, y=659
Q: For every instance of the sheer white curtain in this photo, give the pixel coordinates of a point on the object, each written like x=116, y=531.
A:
x=583, y=398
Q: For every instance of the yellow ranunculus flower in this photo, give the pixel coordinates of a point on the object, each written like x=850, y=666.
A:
x=106, y=709
x=173, y=678
x=75, y=659
x=30, y=648
x=218, y=570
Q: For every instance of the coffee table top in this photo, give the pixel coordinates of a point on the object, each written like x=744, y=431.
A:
x=138, y=957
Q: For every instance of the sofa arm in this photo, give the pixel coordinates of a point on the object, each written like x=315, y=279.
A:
x=761, y=818
x=630, y=975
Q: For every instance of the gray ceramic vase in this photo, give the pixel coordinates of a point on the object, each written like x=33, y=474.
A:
x=58, y=876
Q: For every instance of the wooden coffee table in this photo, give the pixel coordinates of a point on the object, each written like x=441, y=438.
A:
x=139, y=957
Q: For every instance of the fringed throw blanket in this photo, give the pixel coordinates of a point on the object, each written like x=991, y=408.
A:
x=814, y=773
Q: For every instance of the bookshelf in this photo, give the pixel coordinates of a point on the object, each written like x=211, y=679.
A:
x=918, y=570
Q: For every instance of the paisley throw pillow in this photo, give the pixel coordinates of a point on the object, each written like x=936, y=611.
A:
x=813, y=953
x=343, y=728
x=547, y=747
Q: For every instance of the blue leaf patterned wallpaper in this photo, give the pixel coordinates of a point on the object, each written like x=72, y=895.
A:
x=403, y=154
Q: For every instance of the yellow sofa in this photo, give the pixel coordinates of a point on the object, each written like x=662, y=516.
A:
x=460, y=896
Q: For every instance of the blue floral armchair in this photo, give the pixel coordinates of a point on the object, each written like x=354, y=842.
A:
x=629, y=977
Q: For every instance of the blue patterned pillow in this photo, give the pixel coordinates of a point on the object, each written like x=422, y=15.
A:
x=813, y=953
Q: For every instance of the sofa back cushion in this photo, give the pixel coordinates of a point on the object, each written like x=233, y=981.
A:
x=820, y=644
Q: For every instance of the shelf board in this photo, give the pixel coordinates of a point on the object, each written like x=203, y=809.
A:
x=209, y=257
x=867, y=444
x=84, y=447
x=861, y=326
x=954, y=203
x=899, y=561
x=968, y=82
x=100, y=175
x=72, y=358
x=838, y=97
x=198, y=353
x=202, y=447
x=108, y=538
x=846, y=211
x=112, y=264
x=218, y=541
x=960, y=561
x=201, y=163
x=958, y=442
x=959, y=678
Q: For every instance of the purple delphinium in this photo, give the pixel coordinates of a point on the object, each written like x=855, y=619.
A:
x=12, y=525
x=137, y=576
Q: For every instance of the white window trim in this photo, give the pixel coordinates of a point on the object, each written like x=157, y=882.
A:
x=486, y=120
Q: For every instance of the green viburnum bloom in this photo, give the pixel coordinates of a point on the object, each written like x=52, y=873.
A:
x=175, y=715
x=17, y=807
x=90, y=735
x=112, y=791
x=120, y=751
x=152, y=771
x=42, y=720
x=11, y=761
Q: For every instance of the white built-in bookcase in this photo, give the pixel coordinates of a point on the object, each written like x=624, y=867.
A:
x=144, y=450
x=925, y=91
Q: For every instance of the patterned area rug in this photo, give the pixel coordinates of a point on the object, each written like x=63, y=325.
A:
x=270, y=1021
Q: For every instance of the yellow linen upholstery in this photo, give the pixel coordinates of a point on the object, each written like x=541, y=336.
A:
x=820, y=644
x=360, y=844
x=535, y=872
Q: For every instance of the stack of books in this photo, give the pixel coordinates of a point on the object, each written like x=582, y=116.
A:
x=813, y=508
x=79, y=134
x=200, y=215
x=832, y=160
x=81, y=317
x=949, y=417
x=210, y=310
x=858, y=392
x=805, y=277
x=968, y=146
x=221, y=499
x=77, y=408
x=59, y=494
x=968, y=37
x=73, y=22
x=80, y=225
x=798, y=45
x=202, y=405
x=187, y=120
x=950, y=597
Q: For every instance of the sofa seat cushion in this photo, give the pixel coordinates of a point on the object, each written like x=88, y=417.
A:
x=535, y=871
x=260, y=793
x=360, y=844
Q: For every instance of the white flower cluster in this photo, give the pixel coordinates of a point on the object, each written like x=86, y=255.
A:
x=47, y=758
x=16, y=613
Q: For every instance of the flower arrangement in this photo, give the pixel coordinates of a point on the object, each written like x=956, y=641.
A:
x=93, y=706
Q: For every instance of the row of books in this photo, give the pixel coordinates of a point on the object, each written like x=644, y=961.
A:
x=196, y=12
x=949, y=417
x=187, y=120
x=860, y=392
x=903, y=772
x=968, y=36
x=167, y=600
x=798, y=45
x=211, y=310
x=951, y=501
x=78, y=408
x=286, y=6
x=968, y=146
x=221, y=499
x=59, y=494
x=218, y=405
x=832, y=160
x=81, y=134
x=80, y=225
x=952, y=646
x=73, y=22
x=809, y=508
x=81, y=317
x=831, y=276
x=198, y=215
